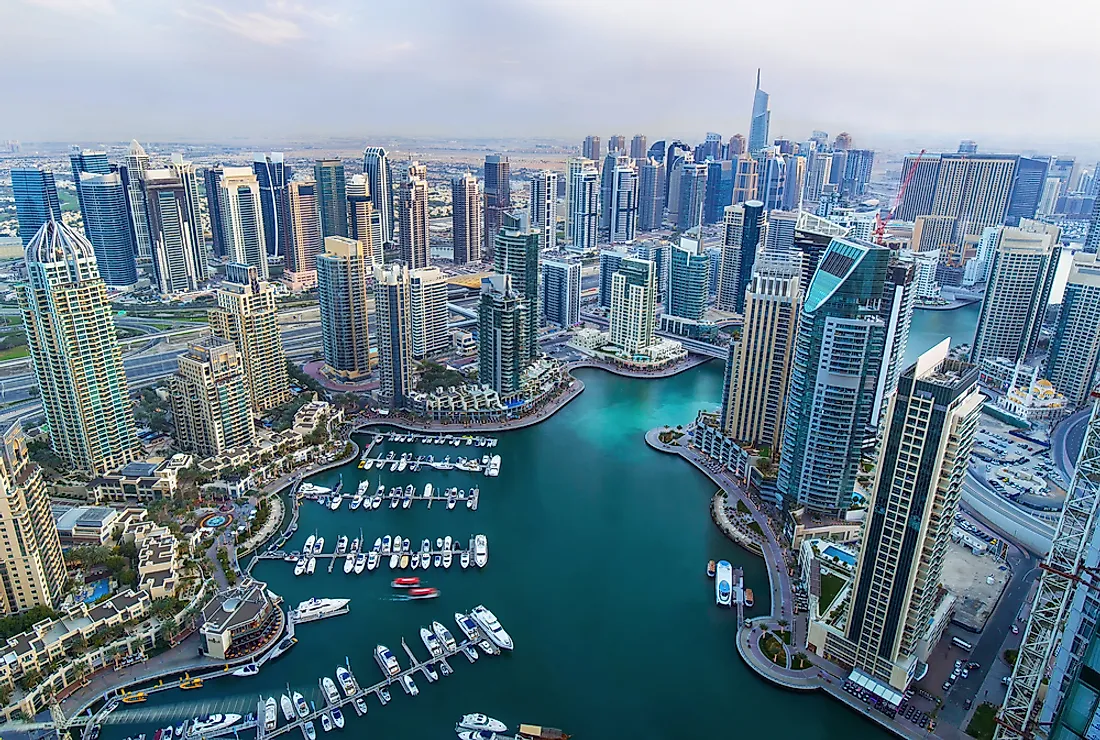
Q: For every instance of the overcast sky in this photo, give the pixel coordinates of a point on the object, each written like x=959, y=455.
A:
x=1010, y=73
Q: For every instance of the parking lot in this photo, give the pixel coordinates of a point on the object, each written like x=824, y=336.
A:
x=1020, y=470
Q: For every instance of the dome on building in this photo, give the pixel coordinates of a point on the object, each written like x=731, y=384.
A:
x=56, y=242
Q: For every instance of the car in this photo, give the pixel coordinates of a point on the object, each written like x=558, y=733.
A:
x=958, y=664
x=965, y=673
x=973, y=665
x=1015, y=630
x=968, y=703
x=1006, y=680
x=946, y=685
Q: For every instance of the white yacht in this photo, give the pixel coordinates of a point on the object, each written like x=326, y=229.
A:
x=287, y=706
x=481, y=550
x=329, y=687
x=300, y=566
x=310, y=730
x=308, y=547
x=336, y=501
x=403, y=463
x=377, y=543
x=723, y=580
x=349, y=564
x=394, y=560
x=437, y=560
x=386, y=661
x=409, y=685
x=376, y=501
x=347, y=683
x=433, y=643
x=319, y=546
x=416, y=560
x=385, y=545
x=363, y=491
x=494, y=467
x=488, y=622
x=478, y=735
x=480, y=722
x=372, y=560
x=342, y=544
x=468, y=626
x=356, y=502
x=444, y=635
x=361, y=562
x=213, y=724
x=326, y=722
x=313, y=609
x=428, y=490
x=464, y=559
x=271, y=714
x=311, y=565
x=338, y=718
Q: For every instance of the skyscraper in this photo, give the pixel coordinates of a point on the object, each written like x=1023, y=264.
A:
x=623, y=207
x=843, y=141
x=834, y=373
x=794, y=182
x=1027, y=190
x=517, y=254
x=544, y=208
x=761, y=116
x=591, y=148
x=1075, y=344
x=428, y=310
x=412, y=210
x=736, y=146
x=137, y=161
x=772, y=181
x=247, y=316
x=638, y=148
x=173, y=231
x=617, y=143
x=899, y=297
x=818, y=167
x=1092, y=237
x=364, y=222
x=779, y=231
x=584, y=204
x=745, y=180
x=504, y=323
x=32, y=569
x=210, y=402
x=633, y=305
x=692, y=192
x=720, y=176
x=242, y=218
x=376, y=167
x=272, y=176
x=211, y=178
x=743, y=226
x=857, y=172
x=75, y=352
x=393, y=316
x=498, y=194
x=659, y=252
x=609, y=163
x=92, y=162
x=892, y=622
x=107, y=225
x=610, y=262
x=332, y=197
x=36, y=200
x=1020, y=278
x=689, y=279
x=466, y=219
x=344, y=274
x=561, y=292
x=754, y=398
x=306, y=240
x=651, y=190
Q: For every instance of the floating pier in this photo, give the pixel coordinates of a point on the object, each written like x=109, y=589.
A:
x=454, y=440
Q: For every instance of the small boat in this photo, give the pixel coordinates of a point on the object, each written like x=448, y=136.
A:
x=488, y=648
x=394, y=501
x=437, y=560
x=428, y=490
x=384, y=696
x=468, y=626
x=471, y=652
x=342, y=544
x=310, y=730
x=406, y=501
x=376, y=501
x=438, y=543
x=347, y=682
x=271, y=714
x=423, y=593
x=363, y=490
x=372, y=560
x=450, y=500
x=416, y=560
x=405, y=582
x=369, y=464
x=481, y=550
x=494, y=467
x=406, y=546
x=319, y=546
x=135, y=698
x=300, y=566
x=329, y=687
x=338, y=718
x=308, y=547
x=480, y=722
x=395, y=560
x=477, y=735
x=748, y=597
x=361, y=705
x=311, y=566
x=444, y=668
x=249, y=670
x=723, y=580
x=356, y=502
x=361, y=562
x=430, y=672
x=385, y=545
x=444, y=636
x=464, y=559
x=487, y=621
x=287, y=706
x=710, y=569
x=409, y=685
x=386, y=660
x=404, y=560
x=349, y=564
x=433, y=643
x=336, y=501
x=469, y=501
x=326, y=722
x=425, y=560
x=300, y=704
x=377, y=544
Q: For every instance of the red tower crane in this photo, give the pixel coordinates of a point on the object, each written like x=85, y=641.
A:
x=879, y=234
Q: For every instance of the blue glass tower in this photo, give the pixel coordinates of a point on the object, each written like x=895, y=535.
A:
x=761, y=117
x=107, y=226
x=720, y=176
x=750, y=239
x=273, y=175
x=36, y=200
x=88, y=161
x=1027, y=189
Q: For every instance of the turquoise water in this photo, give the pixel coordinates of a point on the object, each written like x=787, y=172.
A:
x=839, y=555
x=930, y=327
x=598, y=549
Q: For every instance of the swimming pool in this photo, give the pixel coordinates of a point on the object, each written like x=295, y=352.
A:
x=97, y=590
x=840, y=555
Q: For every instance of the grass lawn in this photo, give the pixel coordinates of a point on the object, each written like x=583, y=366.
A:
x=983, y=723
x=741, y=508
x=785, y=636
x=830, y=587
x=756, y=528
x=773, y=648
x=800, y=662
x=12, y=353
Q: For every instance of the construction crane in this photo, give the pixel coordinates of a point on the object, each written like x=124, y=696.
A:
x=878, y=236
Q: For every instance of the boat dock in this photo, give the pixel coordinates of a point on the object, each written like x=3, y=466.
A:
x=469, y=499
x=739, y=593
x=455, y=440
x=393, y=463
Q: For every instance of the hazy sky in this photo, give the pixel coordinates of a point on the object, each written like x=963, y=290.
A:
x=1010, y=73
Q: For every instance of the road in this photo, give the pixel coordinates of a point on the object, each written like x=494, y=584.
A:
x=1066, y=441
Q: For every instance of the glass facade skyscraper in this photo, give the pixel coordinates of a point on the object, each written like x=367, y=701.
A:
x=376, y=167
x=516, y=253
x=272, y=174
x=332, y=196
x=107, y=225
x=36, y=200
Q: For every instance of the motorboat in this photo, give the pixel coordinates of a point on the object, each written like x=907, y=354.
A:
x=313, y=609
x=477, y=735
x=377, y=544
x=433, y=643
x=338, y=718
x=425, y=560
x=428, y=490
x=409, y=685
x=444, y=636
x=372, y=560
x=384, y=543
x=384, y=696
x=342, y=544
x=310, y=541
x=271, y=714
x=438, y=543
x=347, y=681
x=311, y=566
x=404, y=560
x=195, y=683
x=361, y=563
x=489, y=624
x=336, y=501
x=403, y=463
x=319, y=546
x=437, y=560
x=287, y=706
x=493, y=470
x=395, y=559
x=480, y=722
x=376, y=502
x=445, y=668
x=481, y=550
x=368, y=464
x=423, y=593
x=394, y=501
x=723, y=584
x=710, y=568
x=405, y=582
x=415, y=563
x=360, y=705
x=471, y=652
x=326, y=722
x=248, y=670
x=488, y=648
x=468, y=626
x=430, y=672
x=213, y=724
x=363, y=490
x=450, y=500
x=310, y=730
x=748, y=597
x=464, y=559
x=386, y=660
x=410, y=490
x=349, y=564
x=406, y=545
x=300, y=566
x=354, y=546
x=356, y=502
x=329, y=687
x=471, y=502
x=426, y=546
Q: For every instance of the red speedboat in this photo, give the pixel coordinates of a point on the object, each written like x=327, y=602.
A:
x=423, y=593
x=406, y=582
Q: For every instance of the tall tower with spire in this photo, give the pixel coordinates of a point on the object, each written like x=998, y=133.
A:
x=137, y=162
x=761, y=116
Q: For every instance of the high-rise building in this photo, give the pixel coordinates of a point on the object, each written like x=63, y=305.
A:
x=247, y=316
x=583, y=204
x=689, y=279
x=211, y=408
x=376, y=167
x=899, y=298
x=332, y=197
x=754, y=396
x=344, y=274
x=544, y=208
x=745, y=179
x=633, y=304
x=211, y=178
x=517, y=254
x=638, y=147
x=623, y=206
x=412, y=210
x=393, y=318
x=692, y=193
x=242, y=218
x=834, y=374
x=843, y=141
x=651, y=190
x=1092, y=237
x=743, y=227
x=32, y=568
x=466, y=219
x=137, y=162
x=794, y=182
x=272, y=176
x=91, y=162
x=364, y=222
x=498, y=195
x=921, y=190
x=306, y=239
x=75, y=353
x=720, y=176
x=617, y=143
x=968, y=146
x=773, y=178
x=895, y=618
x=659, y=252
x=1075, y=344
x=932, y=233
x=761, y=117
x=610, y=262
x=174, y=231
x=36, y=200
x=737, y=146
x=1020, y=278
x=504, y=323
x=107, y=225
x=857, y=172
x=590, y=149
x=428, y=306
x=818, y=167
x=779, y=231
x=607, y=178
x=1027, y=190
x=561, y=292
